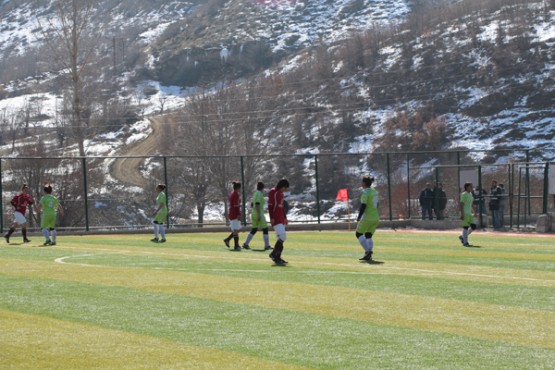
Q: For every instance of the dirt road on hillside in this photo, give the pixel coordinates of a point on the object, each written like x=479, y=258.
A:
x=128, y=170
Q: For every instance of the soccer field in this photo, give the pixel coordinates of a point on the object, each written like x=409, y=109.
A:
x=120, y=301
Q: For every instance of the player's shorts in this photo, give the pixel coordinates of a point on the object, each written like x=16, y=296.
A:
x=259, y=224
x=235, y=225
x=161, y=217
x=48, y=222
x=19, y=218
x=468, y=220
x=280, y=232
x=367, y=226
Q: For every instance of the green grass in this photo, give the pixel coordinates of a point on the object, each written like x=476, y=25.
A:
x=119, y=301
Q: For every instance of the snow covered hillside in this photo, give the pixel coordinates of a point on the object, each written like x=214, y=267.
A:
x=329, y=76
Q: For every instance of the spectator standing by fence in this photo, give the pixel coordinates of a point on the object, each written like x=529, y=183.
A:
x=426, y=200
x=440, y=201
x=495, y=205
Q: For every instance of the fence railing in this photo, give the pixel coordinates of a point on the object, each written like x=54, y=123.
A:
x=110, y=193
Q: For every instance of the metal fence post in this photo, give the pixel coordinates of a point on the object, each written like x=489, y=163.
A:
x=317, y=187
x=243, y=210
x=167, y=191
x=85, y=192
x=518, y=197
x=1, y=201
x=529, y=203
x=459, y=170
x=481, y=196
x=408, y=186
x=511, y=192
x=545, y=187
x=389, y=186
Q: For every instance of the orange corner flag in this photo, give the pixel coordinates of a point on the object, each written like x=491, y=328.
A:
x=342, y=195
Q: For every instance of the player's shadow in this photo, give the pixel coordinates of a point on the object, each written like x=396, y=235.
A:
x=373, y=262
x=472, y=246
x=261, y=250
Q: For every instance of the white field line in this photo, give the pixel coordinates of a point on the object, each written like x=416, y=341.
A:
x=62, y=260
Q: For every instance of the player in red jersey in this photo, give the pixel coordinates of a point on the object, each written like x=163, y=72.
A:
x=20, y=203
x=234, y=216
x=278, y=218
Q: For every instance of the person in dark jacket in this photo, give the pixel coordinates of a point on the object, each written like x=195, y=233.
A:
x=495, y=205
x=440, y=201
x=426, y=200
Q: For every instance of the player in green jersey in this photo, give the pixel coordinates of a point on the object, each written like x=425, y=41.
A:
x=368, y=217
x=258, y=218
x=467, y=213
x=49, y=204
x=160, y=215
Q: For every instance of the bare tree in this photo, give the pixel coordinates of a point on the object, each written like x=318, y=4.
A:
x=162, y=99
x=25, y=114
x=203, y=134
x=67, y=35
x=219, y=127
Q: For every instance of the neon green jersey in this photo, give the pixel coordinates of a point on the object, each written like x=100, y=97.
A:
x=467, y=199
x=161, y=200
x=258, y=197
x=370, y=197
x=49, y=204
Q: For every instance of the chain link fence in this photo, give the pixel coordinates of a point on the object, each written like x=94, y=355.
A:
x=104, y=193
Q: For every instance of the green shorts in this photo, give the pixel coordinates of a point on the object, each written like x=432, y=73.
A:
x=259, y=224
x=48, y=222
x=468, y=220
x=161, y=217
x=367, y=226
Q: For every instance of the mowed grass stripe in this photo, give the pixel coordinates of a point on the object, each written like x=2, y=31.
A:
x=287, y=336
x=31, y=341
x=464, y=261
x=499, y=287
x=435, y=240
x=341, y=240
x=437, y=268
x=331, y=272
x=398, y=246
x=486, y=321
x=417, y=247
x=482, y=252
